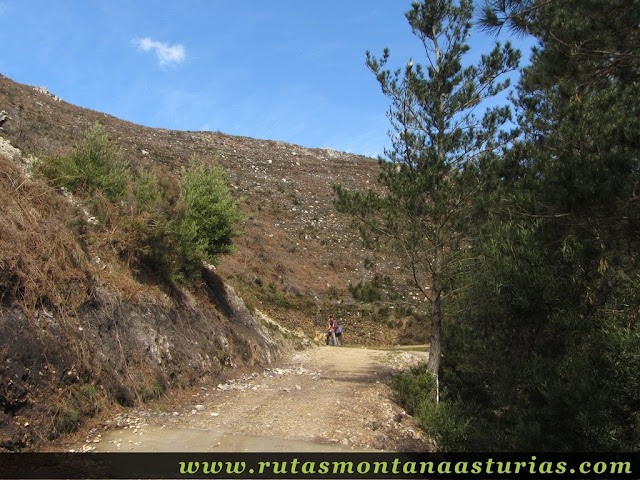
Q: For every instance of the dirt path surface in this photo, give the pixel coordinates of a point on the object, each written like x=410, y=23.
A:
x=321, y=399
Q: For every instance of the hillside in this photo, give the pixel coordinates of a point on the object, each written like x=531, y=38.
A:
x=297, y=252
x=80, y=331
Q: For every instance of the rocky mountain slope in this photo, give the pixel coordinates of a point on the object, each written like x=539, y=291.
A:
x=124, y=341
x=297, y=254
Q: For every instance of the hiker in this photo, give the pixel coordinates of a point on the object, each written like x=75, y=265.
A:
x=338, y=332
x=331, y=332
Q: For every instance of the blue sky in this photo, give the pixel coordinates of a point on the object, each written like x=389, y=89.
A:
x=286, y=70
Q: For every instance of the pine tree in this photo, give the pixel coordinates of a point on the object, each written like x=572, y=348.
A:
x=545, y=355
x=209, y=217
x=441, y=134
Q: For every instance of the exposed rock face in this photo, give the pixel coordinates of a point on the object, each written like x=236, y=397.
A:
x=7, y=149
x=122, y=351
x=45, y=91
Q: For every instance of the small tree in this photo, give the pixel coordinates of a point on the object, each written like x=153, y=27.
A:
x=96, y=166
x=208, y=218
x=439, y=140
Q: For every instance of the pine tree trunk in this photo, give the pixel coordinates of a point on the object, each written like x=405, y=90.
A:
x=433, y=363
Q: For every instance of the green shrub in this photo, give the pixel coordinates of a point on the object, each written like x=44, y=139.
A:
x=412, y=388
x=67, y=421
x=145, y=227
x=152, y=392
x=85, y=399
x=207, y=219
x=366, y=291
x=162, y=231
x=96, y=165
x=444, y=422
x=146, y=191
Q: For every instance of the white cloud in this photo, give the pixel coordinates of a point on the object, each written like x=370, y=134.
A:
x=167, y=54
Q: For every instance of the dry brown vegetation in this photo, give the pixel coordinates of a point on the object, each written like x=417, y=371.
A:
x=42, y=265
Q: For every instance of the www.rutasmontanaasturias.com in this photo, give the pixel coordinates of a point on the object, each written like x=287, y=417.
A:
x=400, y=467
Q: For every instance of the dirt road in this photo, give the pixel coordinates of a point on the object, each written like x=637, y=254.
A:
x=321, y=399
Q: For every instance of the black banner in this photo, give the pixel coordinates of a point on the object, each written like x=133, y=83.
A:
x=337, y=465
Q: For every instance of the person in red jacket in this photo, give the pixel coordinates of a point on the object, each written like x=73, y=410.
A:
x=331, y=332
x=334, y=332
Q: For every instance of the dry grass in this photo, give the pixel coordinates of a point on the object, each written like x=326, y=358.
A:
x=41, y=263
